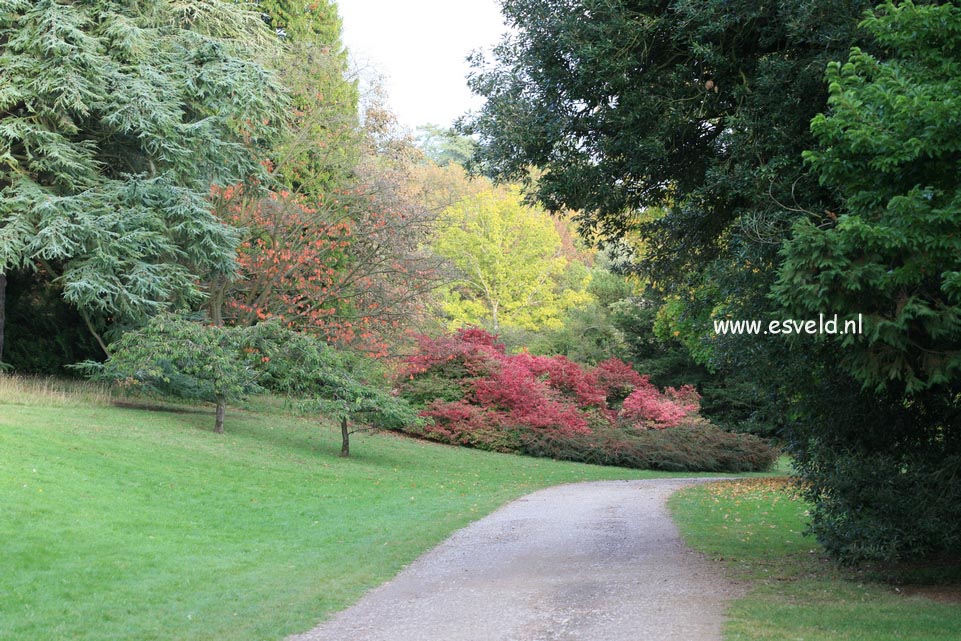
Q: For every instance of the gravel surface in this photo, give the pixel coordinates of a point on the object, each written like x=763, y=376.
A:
x=585, y=562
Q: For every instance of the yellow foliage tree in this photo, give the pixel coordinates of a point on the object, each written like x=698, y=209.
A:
x=511, y=269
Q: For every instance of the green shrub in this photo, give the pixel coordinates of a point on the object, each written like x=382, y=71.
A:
x=696, y=446
x=434, y=385
x=883, y=474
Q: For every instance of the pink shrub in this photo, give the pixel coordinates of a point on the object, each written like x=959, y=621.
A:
x=572, y=380
x=647, y=407
x=686, y=397
x=527, y=400
x=618, y=379
x=503, y=393
x=474, y=350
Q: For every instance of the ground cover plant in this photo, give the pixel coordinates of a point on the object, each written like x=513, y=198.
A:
x=472, y=392
x=755, y=527
x=121, y=523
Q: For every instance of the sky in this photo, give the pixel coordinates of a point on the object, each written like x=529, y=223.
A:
x=420, y=46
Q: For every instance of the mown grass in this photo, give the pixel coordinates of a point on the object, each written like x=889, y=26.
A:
x=120, y=523
x=755, y=527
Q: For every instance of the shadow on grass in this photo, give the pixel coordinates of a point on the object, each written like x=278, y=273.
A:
x=161, y=406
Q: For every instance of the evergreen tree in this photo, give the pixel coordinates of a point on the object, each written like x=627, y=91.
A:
x=881, y=460
x=323, y=143
x=115, y=120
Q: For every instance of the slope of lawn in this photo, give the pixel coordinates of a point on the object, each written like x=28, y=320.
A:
x=121, y=523
x=755, y=527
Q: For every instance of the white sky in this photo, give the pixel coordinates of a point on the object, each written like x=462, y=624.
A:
x=420, y=47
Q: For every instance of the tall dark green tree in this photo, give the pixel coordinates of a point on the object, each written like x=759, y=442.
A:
x=115, y=120
x=631, y=104
x=701, y=108
x=322, y=145
x=300, y=21
x=884, y=470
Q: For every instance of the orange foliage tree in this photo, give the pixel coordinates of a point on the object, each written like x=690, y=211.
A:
x=348, y=267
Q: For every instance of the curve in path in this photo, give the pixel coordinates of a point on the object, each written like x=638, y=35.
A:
x=584, y=562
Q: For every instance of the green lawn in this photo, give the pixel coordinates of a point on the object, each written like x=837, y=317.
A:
x=133, y=524
x=756, y=528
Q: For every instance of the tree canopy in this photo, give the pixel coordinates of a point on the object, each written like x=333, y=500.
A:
x=703, y=106
x=509, y=260
x=115, y=120
x=889, y=144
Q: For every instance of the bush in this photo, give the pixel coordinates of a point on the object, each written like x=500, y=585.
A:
x=469, y=425
x=475, y=394
x=883, y=474
x=694, y=446
x=648, y=406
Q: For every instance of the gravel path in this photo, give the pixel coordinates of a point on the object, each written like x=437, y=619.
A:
x=585, y=562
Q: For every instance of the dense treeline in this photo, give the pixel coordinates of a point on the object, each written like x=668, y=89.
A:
x=702, y=112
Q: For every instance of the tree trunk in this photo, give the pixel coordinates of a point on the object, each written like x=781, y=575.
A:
x=344, y=438
x=221, y=410
x=218, y=288
x=3, y=308
x=94, y=333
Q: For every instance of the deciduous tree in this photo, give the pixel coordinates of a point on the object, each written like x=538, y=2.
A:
x=509, y=258
x=181, y=358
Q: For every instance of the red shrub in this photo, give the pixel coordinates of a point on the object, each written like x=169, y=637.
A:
x=478, y=336
x=527, y=400
x=462, y=423
x=686, y=397
x=618, y=379
x=476, y=394
x=474, y=351
x=647, y=407
x=573, y=380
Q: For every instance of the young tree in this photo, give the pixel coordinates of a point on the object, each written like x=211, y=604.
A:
x=322, y=380
x=178, y=357
x=115, y=120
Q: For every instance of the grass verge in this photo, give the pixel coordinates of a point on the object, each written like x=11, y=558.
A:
x=119, y=523
x=755, y=528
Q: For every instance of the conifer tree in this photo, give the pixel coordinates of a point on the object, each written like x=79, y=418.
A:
x=115, y=120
